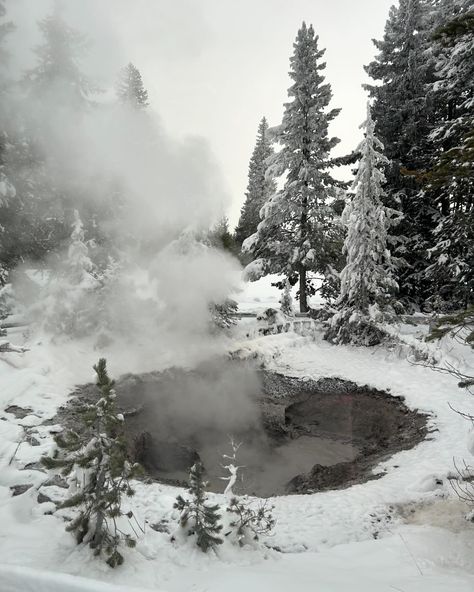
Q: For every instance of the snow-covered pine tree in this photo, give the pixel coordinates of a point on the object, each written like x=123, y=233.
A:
x=100, y=473
x=286, y=301
x=403, y=110
x=199, y=518
x=130, y=89
x=67, y=306
x=247, y=523
x=223, y=314
x=367, y=283
x=297, y=220
x=6, y=27
x=57, y=76
x=7, y=190
x=450, y=181
x=55, y=90
x=220, y=236
x=259, y=188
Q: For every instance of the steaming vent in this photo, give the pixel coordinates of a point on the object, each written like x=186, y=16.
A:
x=298, y=436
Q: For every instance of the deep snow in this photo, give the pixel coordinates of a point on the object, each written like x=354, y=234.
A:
x=405, y=531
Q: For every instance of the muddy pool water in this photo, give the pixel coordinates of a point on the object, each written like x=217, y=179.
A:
x=298, y=436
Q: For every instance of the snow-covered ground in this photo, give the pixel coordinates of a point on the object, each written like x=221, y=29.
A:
x=405, y=531
x=257, y=296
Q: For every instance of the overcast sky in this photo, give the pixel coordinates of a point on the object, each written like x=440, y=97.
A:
x=214, y=67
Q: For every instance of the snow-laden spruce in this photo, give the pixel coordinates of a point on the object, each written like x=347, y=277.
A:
x=100, y=473
x=130, y=89
x=449, y=182
x=66, y=303
x=199, y=518
x=403, y=106
x=367, y=282
x=296, y=233
x=57, y=75
x=259, y=188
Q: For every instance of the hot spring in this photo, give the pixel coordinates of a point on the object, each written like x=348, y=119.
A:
x=296, y=435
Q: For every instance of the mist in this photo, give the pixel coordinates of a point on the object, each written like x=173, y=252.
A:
x=171, y=191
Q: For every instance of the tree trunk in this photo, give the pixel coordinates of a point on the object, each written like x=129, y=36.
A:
x=303, y=295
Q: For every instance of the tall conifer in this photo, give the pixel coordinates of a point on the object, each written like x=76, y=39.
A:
x=259, y=187
x=130, y=89
x=294, y=235
x=367, y=282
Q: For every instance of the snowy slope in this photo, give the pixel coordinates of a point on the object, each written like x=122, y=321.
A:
x=257, y=296
x=338, y=540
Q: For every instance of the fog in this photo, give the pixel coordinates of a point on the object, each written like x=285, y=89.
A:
x=171, y=191
x=215, y=67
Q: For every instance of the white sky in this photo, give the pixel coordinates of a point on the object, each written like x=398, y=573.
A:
x=215, y=67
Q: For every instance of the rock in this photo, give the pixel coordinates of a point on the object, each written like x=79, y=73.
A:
x=58, y=481
x=20, y=489
x=32, y=441
x=161, y=526
x=34, y=466
x=19, y=412
x=322, y=478
x=42, y=498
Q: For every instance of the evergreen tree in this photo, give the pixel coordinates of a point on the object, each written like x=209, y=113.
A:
x=223, y=314
x=294, y=235
x=449, y=182
x=367, y=283
x=259, y=187
x=220, y=237
x=286, y=301
x=199, y=518
x=130, y=89
x=68, y=302
x=100, y=473
x=247, y=524
x=58, y=77
x=7, y=190
x=6, y=27
x=56, y=89
x=403, y=109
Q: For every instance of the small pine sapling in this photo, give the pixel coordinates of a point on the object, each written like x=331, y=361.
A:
x=248, y=524
x=198, y=517
x=286, y=301
x=96, y=460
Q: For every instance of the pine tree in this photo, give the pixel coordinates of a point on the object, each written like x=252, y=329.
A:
x=96, y=460
x=130, y=88
x=367, y=283
x=55, y=90
x=7, y=190
x=403, y=109
x=58, y=77
x=259, y=187
x=286, y=301
x=220, y=236
x=198, y=518
x=6, y=27
x=449, y=181
x=68, y=304
x=297, y=221
x=247, y=524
